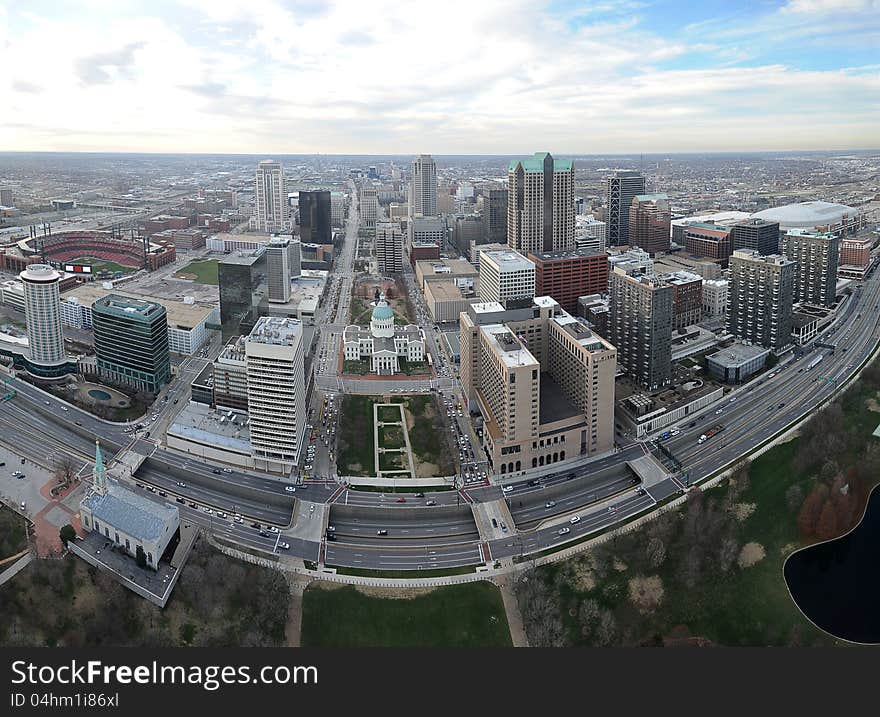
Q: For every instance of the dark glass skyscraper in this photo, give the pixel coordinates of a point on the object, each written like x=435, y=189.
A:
x=131, y=341
x=756, y=234
x=314, y=217
x=239, y=276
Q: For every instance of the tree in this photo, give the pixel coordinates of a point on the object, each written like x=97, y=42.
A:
x=67, y=534
x=808, y=517
x=827, y=526
x=65, y=467
x=141, y=557
x=794, y=497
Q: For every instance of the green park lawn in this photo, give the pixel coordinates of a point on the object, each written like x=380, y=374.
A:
x=356, y=436
x=469, y=615
x=206, y=271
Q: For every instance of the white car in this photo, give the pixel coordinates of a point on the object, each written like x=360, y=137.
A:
x=564, y=531
x=507, y=489
x=719, y=411
x=290, y=489
x=574, y=519
x=273, y=529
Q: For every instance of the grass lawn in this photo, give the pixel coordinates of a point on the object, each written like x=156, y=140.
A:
x=360, y=311
x=470, y=615
x=356, y=436
x=428, y=435
x=205, y=271
x=414, y=368
x=388, y=413
x=391, y=437
x=356, y=368
x=391, y=461
x=670, y=582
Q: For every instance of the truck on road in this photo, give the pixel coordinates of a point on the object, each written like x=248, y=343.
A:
x=815, y=362
x=714, y=431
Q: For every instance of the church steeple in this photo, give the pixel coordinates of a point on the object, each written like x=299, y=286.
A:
x=99, y=475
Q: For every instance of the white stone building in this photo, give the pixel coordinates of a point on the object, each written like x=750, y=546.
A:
x=384, y=344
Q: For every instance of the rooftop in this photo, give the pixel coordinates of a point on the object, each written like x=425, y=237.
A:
x=508, y=347
x=651, y=197
x=535, y=163
x=807, y=214
x=203, y=424
x=131, y=512
x=180, y=314
x=276, y=330
x=244, y=257
x=507, y=260
x=565, y=254
x=737, y=354
x=129, y=307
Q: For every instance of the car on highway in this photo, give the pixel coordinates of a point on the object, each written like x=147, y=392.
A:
x=507, y=489
x=574, y=519
x=284, y=546
x=289, y=489
x=273, y=529
x=381, y=532
x=181, y=484
x=400, y=500
x=192, y=504
x=719, y=411
x=216, y=471
x=564, y=531
x=227, y=470
x=331, y=536
x=550, y=504
x=430, y=502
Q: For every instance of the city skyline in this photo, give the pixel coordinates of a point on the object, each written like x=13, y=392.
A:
x=285, y=77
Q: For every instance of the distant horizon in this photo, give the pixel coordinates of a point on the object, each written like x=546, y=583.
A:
x=301, y=77
x=272, y=155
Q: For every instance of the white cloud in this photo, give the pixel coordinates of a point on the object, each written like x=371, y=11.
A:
x=821, y=7
x=459, y=76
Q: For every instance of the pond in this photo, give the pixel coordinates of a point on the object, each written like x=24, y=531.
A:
x=836, y=584
x=99, y=395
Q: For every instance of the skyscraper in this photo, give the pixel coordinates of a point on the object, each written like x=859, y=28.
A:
x=270, y=198
x=816, y=255
x=759, y=298
x=389, y=248
x=620, y=188
x=757, y=234
x=368, y=199
x=276, y=392
x=495, y=215
x=540, y=204
x=131, y=341
x=315, y=217
x=640, y=326
x=42, y=310
x=649, y=219
x=278, y=270
x=423, y=187
x=505, y=277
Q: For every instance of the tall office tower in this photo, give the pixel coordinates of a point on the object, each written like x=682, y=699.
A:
x=427, y=230
x=649, y=219
x=239, y=276
x=640, y=327
x=495, y=215
x=369, y=206
x=42, y=311
x=389, y=248
x=315, y=217
x=337, y=209
x=757, y=234
x=816, y=255
x=540, y=204
x=620, y=188
x=131, y=341
x=506, y=277
x=423, y=187
x=6, y=198
x=278, y=270
x=270, y=200
x=294, y=258
x=759, y=298
x=276, y=392
x=590, y=235
x=566, y=275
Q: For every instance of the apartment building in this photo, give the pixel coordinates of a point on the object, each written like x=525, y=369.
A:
x=816, y=256
x=760, y=297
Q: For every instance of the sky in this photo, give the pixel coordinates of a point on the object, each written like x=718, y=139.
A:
x=450, y=77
